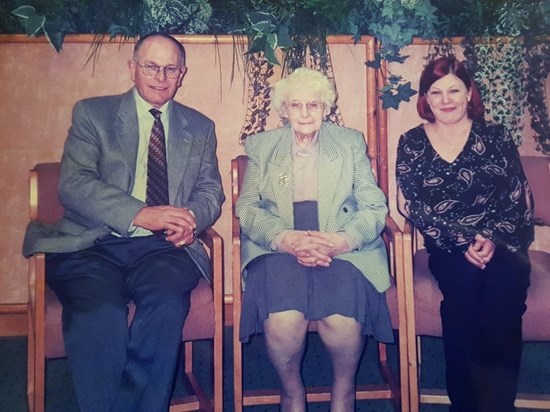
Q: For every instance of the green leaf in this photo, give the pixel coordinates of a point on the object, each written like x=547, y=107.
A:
x=394, y=79
x=405, y=92
x=270, y=56
x=271, y=41
x=256, y=45
x=389, y=101
x=24, y=11
x=263, y=27
x=284, y=38
x=54, y=35
x=388, y=11
x=34, y=24
x=259, y=16
x=116, y=29
x=376, y=63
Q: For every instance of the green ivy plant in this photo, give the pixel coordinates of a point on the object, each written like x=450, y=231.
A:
x=394, y=23
x=497, y=68
x=299, y=29
x=127, y=18
x=538, y=70
x=35, y=24
x=511, y=73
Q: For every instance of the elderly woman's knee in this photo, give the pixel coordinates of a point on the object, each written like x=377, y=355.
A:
x=289, y=323
x=338, y=324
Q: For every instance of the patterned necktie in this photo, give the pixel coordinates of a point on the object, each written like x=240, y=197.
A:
x=157, y=174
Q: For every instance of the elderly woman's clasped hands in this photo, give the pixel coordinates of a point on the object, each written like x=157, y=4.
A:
x=312, y=247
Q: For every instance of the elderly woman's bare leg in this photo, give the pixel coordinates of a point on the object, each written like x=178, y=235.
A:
x=344, y=342
x=285, y=334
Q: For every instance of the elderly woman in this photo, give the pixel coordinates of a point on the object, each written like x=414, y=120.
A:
x=462, y=185
x=311, y=216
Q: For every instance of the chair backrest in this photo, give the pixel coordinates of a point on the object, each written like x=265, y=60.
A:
x=238, y=170
x=537, y=170
x=45, y=205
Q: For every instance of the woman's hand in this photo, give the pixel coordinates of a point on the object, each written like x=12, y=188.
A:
x=314, y=248
x=308, y=249
x=331, y=244
x=480, y=252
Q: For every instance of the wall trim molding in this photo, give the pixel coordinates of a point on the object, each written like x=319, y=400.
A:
x=13, y=319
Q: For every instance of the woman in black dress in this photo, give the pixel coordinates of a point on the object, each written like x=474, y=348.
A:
x=462, y=185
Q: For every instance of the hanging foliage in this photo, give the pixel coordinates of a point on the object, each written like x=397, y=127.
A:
x=497, y=68
x=538, y=71
x=295, y=26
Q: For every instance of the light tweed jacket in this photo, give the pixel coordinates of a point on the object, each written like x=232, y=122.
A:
x=348, y=200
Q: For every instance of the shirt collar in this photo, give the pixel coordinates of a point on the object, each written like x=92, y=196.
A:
x=143, y=107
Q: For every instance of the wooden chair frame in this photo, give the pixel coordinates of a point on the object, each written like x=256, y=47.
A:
x=392, y=389
x=36, y=362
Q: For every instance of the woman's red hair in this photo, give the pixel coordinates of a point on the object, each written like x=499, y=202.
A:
x=440, y=68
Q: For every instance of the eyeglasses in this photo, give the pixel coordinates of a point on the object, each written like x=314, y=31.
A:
x=296, y=107
x=151, y=69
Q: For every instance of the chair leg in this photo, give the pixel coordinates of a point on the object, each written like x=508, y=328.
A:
x=39, y=384
x=31, y=372
x=237, y=370
x=38, y=336
x=218, y=372
x=404, y=375
x=414, y=372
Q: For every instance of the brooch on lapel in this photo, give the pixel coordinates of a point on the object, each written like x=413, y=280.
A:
x=284, y=180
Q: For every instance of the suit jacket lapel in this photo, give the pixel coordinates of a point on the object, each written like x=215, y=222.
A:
x=127, y=132
x=282, y=177
x=178, y=149
x=330, y=167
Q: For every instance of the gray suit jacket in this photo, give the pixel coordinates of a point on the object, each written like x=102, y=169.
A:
x=97, y=175
x=348, y=200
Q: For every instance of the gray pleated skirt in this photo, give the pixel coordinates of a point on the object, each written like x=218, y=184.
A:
x=277, y=282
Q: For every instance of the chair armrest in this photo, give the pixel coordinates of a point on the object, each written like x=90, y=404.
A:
x=391, y=231
x=36, y=305
x=214, y=242
x=37, y=279
x=408, y=228
x=211, y=239
x=393, y=237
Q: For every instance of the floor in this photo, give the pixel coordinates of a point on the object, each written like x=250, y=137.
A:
x=535, y=376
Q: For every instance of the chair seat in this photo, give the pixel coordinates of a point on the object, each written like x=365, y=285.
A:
x=199, y=324
x=427, y=297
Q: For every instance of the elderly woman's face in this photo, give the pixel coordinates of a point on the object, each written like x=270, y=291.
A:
x=304, y=110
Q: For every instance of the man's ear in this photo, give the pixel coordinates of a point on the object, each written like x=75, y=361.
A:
x=182, y=75
x=132, y=69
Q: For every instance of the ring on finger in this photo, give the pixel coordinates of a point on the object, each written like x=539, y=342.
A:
x=181, y=243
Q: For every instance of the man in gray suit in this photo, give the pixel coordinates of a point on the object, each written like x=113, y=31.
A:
x=114, y=244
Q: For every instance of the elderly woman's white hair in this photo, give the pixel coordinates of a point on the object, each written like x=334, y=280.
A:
x=310, y=78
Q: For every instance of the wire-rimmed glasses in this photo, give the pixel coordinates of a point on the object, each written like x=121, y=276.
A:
x=152, y=69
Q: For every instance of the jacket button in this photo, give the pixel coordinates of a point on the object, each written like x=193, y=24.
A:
x=345, y=210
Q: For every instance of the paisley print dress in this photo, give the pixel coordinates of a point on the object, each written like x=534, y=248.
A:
x=484, y=190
